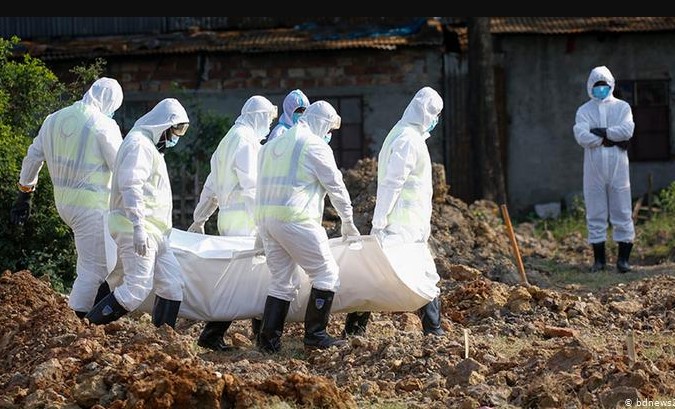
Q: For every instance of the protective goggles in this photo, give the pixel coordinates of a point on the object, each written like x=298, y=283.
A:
x=336, y=122
x=180, y=129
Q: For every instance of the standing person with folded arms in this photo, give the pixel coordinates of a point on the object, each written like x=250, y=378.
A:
x=603, y=126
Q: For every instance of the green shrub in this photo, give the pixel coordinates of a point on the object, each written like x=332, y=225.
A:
x=193, y=154
x=667, y=199
x=572, y=220
x=29, y=91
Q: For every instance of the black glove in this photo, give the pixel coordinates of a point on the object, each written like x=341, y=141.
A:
x=607, y=143
x=599, y=132
x=623, y=145
x=20, y=211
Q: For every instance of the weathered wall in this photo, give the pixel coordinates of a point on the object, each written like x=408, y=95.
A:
x=546, y=83
x=385, y=80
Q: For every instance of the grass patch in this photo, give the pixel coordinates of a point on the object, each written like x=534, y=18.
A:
x=656, y=238
x=595, y=281
x=510, y=347
x=656, y=347
x=387, y=405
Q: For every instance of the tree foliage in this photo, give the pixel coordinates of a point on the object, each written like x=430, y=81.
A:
x=29, y=91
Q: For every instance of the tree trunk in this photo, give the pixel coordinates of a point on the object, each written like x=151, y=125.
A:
x=489, y=175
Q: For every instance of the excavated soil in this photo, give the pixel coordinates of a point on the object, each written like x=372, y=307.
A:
x=506, y=345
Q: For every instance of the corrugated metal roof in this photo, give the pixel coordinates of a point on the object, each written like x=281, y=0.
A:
x=569, y=25
x=560, y=25
x=305, y=37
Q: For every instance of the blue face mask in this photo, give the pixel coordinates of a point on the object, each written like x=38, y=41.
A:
x=170, y=143
x=601, y=91
x=432, y=125
x=327, y=137
x=296, y=116
x=110, y=115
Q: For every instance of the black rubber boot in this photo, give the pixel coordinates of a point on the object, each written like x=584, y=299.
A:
x=356, y=323
x=165, y=312
x=212, y=336
x=316, y=321
x=624, y=254
x=431, y=318
x=600, y=261
x=103, y=290
x=105, y=311
x=255, y=327
x=272, y=326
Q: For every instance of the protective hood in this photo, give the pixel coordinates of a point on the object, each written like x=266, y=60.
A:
x=425, y=106
x=321, y=118
x=294, y=100
x=600, y=73
x=167, y=113
x=258, y=113
x=105, y=94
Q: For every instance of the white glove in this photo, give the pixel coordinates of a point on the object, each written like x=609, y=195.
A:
x=140, y=241
x=196, y=228
x=349, y=229
x=379, y=234
x=258, y=245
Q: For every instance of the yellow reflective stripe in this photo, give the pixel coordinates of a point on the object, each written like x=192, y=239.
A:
x=117, y=223
x=234, y=220
x=73, y=156
x=288, y=214
x=279, y=177
x=81, y=198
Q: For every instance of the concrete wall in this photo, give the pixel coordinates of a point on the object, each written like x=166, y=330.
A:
x=546, y=83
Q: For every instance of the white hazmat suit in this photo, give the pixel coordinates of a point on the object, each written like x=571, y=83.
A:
x=607, y=190
x=230, y=186
x=404, y=193
x=404, y=185
x=141, y=207
x=295, y=172
x=294, y=100
x=79, y=144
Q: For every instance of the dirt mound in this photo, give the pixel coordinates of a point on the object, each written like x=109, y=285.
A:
x=528, y=347
x=50, y=356
x=525, y=346
x=460, y=234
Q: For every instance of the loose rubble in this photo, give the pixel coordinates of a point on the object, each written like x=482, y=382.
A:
x=528, y=346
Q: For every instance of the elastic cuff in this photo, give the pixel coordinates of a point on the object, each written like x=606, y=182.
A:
x=26, y=189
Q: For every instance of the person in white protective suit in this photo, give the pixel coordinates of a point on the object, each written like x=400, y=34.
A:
x=603, y=127
x=295, y=103
x=295, y=172
x=79, y=144
x=404, y=193
x=140, y=219
x=230, y=188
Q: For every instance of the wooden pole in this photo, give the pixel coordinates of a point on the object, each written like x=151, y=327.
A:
x=466, y=343
x=514, y=245
x=630, y=344
x=650, y=185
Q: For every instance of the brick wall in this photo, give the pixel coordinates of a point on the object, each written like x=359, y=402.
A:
x=270, y=71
